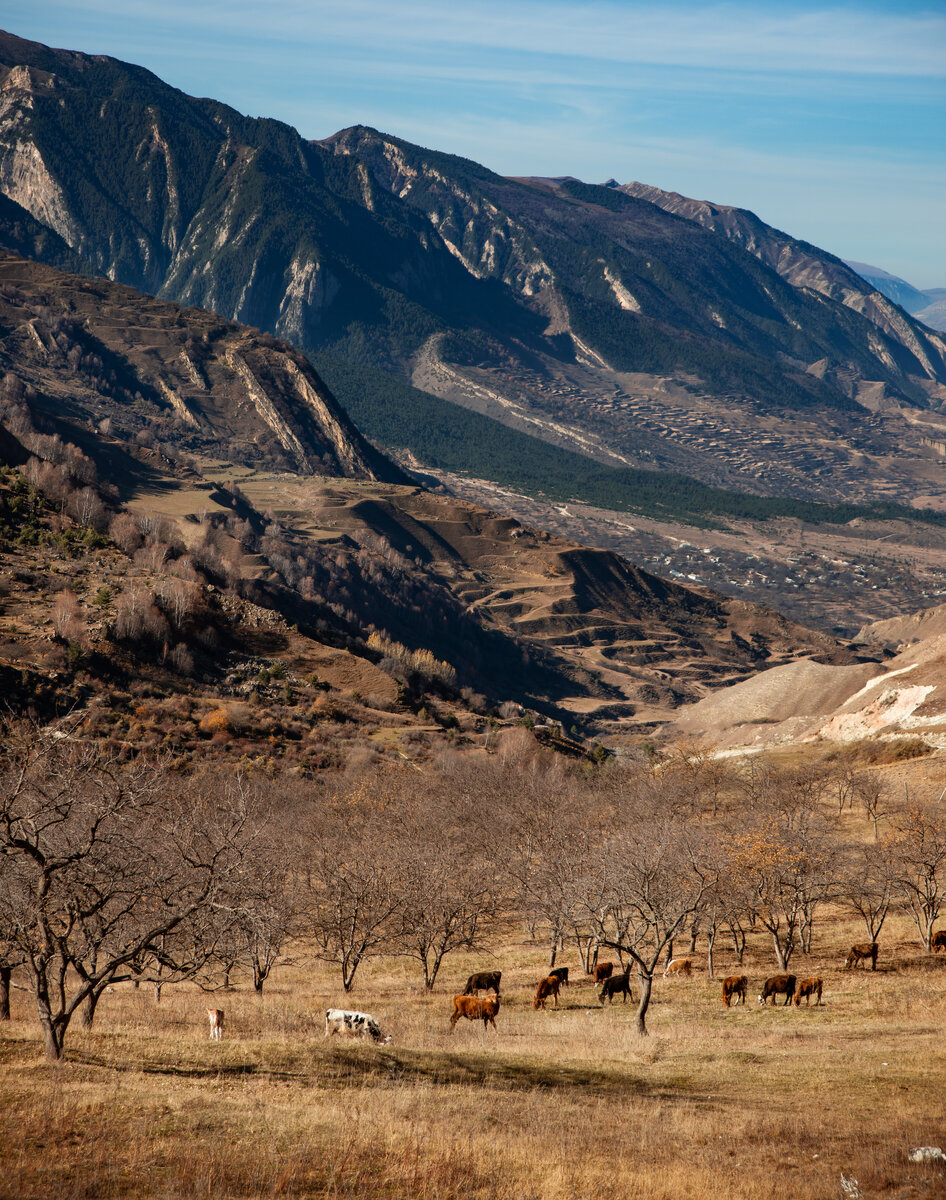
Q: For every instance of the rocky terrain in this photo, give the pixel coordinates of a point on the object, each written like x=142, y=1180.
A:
x=643, y=331
x=928, y=306
x=900, y=700
x=238, y=473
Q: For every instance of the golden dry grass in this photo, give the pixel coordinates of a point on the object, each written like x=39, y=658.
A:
x=745, y=1102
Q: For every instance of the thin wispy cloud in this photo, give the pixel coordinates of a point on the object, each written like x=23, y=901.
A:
x=734, y=36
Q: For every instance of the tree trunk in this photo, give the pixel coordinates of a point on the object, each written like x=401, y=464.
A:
x=87, y=1009
x=781, y=954
x=710, y=943
x=738, y=942
x=646, y=982
x=54, y=1033
x=669, y=956
x=430, y=974
x=6, y=973
x=557, y=940
x=694, y=934
x=157, y=991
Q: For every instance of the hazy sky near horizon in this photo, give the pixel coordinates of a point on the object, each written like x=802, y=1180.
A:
x=827, y=119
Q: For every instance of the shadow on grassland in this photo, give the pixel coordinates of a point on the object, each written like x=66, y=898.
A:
x=357, y=1066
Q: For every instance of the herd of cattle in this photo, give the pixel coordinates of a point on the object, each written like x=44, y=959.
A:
x=471, y=1006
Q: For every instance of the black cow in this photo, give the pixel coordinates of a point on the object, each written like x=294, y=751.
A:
x=561, y=973
x=482, y=981
x=617, y=985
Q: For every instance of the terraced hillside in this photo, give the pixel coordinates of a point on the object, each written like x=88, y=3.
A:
x=229, y=442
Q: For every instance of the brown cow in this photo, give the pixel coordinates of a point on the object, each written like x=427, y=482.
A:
x=939, y=941
x=860, y=953
x=679, y=966
x=808, y=988
x=603, y=971
x=483, y=981
x=547, y=987
x=734, y=988
x=475, y=1009
x=775, y=985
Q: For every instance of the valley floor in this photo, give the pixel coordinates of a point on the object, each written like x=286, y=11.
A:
x=740, y=1102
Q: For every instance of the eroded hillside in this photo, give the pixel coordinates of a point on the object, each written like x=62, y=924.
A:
x=121, y=407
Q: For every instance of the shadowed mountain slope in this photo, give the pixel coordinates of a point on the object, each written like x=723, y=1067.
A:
x=229, y=438
x=98, y=352
x=434, y=268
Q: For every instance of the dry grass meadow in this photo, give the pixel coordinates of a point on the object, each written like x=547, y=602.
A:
x=744, y=1102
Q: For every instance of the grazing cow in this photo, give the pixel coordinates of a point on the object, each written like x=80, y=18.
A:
x=482, y=981
x=939, y=941
x=775, y=985
x=808, y=988
x=734, y=989
x=216, y=1024
x=617, y=985
x=860, y=953
x=679, y=966
x=353, y=1024
x=475, y=1009
x=547, y=987
x=603, y=971
x=562, y=974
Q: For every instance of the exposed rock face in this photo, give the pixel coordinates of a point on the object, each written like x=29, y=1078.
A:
x=367, y=245
x=805, y=267
x=102, y=350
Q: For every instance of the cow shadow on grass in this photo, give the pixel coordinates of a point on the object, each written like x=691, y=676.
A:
x=497, y=1070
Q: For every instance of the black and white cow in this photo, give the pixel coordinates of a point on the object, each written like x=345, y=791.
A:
x=353, y=1024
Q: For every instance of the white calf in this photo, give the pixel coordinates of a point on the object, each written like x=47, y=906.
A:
x=216, y=1024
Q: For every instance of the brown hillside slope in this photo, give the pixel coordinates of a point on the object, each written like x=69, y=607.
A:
x=98, y=351
x=807, y=701
x=170, y=404
x=631, y=644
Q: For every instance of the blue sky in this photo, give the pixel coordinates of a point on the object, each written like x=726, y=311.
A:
x=828, y=120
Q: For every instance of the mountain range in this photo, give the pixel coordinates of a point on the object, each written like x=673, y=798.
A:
x=186, y=294
x=620, y=324
x=928, y=306
x=225, y=441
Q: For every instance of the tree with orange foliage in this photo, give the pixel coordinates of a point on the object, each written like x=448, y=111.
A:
x=786, y=868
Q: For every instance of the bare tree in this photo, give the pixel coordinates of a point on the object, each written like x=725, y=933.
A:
x=649, y=884
x=918, y=849
x=786, y=864
x=867, y=887
x=356, y=887
x=100, y=867
x=870, y=789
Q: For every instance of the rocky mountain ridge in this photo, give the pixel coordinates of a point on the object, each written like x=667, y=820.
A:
x=565, y=310
x=144, y=369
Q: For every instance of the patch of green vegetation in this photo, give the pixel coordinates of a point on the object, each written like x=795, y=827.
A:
x=448, y=437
